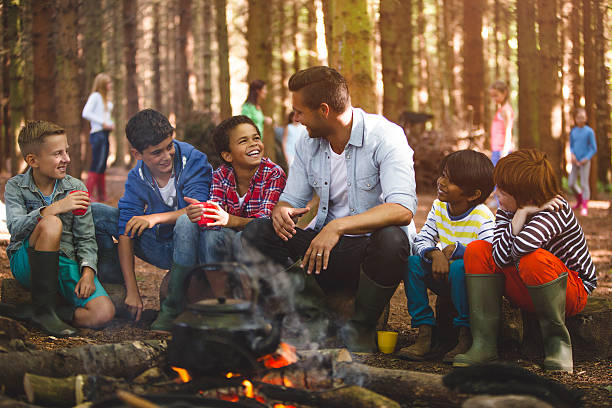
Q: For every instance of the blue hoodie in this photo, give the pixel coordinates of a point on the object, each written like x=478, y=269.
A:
x=192, y=178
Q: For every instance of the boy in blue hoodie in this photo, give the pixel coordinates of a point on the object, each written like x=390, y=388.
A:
x=153, y=220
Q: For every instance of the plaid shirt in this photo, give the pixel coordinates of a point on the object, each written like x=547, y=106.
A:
x=266, y=187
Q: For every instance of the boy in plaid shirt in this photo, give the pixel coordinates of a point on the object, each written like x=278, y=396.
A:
x=246, y=186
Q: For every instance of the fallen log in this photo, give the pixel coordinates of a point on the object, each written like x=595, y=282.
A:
x=122, y=360
x=505, y=401
x=6, y=402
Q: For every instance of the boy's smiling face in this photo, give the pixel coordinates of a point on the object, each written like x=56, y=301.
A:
x=246, y=147
x=52, y=158
x=450, y=193
x=159, y=159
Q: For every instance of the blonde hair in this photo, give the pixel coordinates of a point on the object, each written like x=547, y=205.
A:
x=502, y=87
x=100, y=85
x=33, y=134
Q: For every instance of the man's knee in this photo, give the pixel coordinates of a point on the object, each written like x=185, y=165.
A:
x=258, y=229
x=392, y=241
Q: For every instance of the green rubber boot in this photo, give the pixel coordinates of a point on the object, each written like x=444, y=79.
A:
x=44, y=270
x=359, y=333
x=174, y=303
x=484, y=296
x=549, y=303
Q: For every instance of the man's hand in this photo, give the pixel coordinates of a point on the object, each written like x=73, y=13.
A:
x=75, y=201
x=439, y=265
x=138, y=224
x=284, y=218
x=448, y=251
x=85, y=286
x=317, y=254
x=133, y=303
x=194, y=210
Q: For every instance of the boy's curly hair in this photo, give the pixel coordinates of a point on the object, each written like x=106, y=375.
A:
x=221, y=133
x=33, y=133
x=528, y=176
x=471, y=171
x=147, y=128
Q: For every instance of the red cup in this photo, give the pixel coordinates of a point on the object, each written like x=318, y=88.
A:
x=79, y=211
x=204, y=219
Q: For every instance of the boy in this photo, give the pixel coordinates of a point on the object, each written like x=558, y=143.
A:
x=456, y=218
x=246, y=186
x=539, y=260
x=151, y=221
x=51, y=249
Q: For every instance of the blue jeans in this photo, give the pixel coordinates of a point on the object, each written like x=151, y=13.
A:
x=184, y=247
x=418, y=278
x=222, y=245
x=99, y=151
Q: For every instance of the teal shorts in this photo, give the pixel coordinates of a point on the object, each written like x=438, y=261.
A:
x=69, y=276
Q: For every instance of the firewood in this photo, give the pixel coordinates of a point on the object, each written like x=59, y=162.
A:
x=505, y=401
x=122, y=360
x=134, y=400
x=6, y=402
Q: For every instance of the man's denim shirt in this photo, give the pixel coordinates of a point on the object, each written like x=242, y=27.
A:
x=24, y=202
x=379, y=169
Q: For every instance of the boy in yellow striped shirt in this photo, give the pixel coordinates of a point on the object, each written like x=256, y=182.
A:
x=458, y=217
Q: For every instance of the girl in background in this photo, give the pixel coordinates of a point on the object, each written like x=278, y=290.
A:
x=252, y=106
x=582, y=146
x=97, y=111
x=291, y=134
x=501, y=126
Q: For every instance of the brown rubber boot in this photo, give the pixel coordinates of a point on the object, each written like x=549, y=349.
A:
x=464, y=342
x=421, y=348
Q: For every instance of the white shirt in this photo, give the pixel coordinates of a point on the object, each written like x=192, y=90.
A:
x=168, y=193
x=95, y=112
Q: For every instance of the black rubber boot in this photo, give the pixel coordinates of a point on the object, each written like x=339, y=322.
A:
x=359, y=333
x=109, y=269
x=174, y=303
x=44, y=270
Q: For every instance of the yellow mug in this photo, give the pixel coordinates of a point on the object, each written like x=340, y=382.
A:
x=387, y=341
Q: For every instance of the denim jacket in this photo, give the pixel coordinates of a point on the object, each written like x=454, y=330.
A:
x=24, y=202
x=379, y=169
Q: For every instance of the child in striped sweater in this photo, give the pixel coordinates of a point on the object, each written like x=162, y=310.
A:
x=456, y=218
x=539, y=260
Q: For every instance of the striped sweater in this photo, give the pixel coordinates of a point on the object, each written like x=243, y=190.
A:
x=558, y=232
x=442, y=229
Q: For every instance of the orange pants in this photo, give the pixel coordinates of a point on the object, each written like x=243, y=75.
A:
x=537, y=268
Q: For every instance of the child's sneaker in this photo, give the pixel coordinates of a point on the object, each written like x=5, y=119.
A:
x=584, y=211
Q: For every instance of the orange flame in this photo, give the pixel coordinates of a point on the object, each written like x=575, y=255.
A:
x=283, y=356
x=183, y=374
x=248, y=389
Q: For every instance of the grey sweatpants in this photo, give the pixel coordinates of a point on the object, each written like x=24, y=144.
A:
x=582, y=171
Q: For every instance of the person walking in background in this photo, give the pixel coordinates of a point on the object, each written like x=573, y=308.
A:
x=291, y=134
x=501, y=126
x=252, y=106
x=97, y=111
x=582, y=146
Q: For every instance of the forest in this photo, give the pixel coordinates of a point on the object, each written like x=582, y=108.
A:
x=193, y=59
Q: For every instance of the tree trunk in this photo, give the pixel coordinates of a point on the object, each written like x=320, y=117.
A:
x=576, y=52
x=353, y=43
x=295, y=31
x=130, y=8
x=207, y=27
x=528, y=75
x=44, y=60
x=67, y=89
x=155, y=56
x=390, y=25
x=311, y=33
x=406, y=50
x=601, y=98
x=473, y=59
x=328, y=22
x=591, y=83
x=259, y=58
x=118, y=75
x=449, y=10
x=549, y=100
x=225, y=107
x=282, y=49
x=185, y=103
x=423, y=59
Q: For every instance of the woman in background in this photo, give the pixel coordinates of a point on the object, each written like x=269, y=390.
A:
x=252, y=106
x=291, y=134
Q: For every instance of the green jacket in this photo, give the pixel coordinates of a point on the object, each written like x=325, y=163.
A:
x=256, y=115
x=23, y=204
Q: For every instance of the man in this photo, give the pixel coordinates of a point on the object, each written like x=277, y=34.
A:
x=360, y=165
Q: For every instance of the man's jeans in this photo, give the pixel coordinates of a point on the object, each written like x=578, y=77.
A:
x=382, y=255
x=184, y=248
x=419, y=278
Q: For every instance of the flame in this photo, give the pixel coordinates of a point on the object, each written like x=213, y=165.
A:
x=283, y=406
x=287, y=382
x=283, y=356
x=248, y=389
x=183, y=374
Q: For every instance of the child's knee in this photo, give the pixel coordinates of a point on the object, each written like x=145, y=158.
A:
x=537, y=268
x=102, y=311
x=477, y=253
x=49, y=227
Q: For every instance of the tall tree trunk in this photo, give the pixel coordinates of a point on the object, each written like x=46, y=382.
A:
x=225, y=107
x=27, y=56
x=423, y=59
x=601, y=98
x=311, y=33
x=67, y=90
x=207, y=28
x=295, y=31
x=130, y=8
x=118, y=75
x=528, y=75
x=328, y=22
x=282, y=49
x=473, y=59
x=591, y=83
x=406, y=50
x=550, y=91
x=184, y=97
x=390, y=26
x=576, y=52
x=156, y=58
x=44, y=60
x=353, y=43
x=450, y=18
x=259, y=58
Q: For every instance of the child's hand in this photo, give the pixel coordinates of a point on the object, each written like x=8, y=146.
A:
x=78, y=200
x=133, y=303
x=554, y=204
x=85, y=286
x=138, y=224
x=439, y=265
x=448, y=251
x=218, y=214
x=194, y=210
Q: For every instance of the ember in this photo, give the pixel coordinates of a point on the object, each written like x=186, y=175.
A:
x=183, y=374
x=283, y=356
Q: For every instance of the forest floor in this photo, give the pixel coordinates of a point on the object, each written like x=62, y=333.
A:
x=594, y=378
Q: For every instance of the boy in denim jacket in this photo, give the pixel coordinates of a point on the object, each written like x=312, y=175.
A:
x=52, y=249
